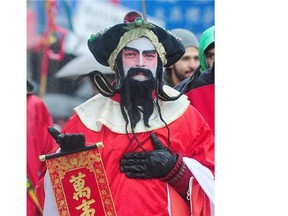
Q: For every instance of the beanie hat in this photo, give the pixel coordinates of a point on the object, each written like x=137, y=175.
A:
x=187, y=38
x=106, y=46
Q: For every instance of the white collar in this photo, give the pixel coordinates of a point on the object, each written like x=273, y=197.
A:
x=100, y=110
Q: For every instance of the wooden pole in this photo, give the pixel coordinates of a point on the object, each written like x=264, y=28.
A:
x=144, y=10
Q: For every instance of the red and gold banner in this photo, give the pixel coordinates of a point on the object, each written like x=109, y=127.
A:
x=80, y=184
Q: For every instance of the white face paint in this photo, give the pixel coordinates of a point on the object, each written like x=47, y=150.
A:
x=140, y=53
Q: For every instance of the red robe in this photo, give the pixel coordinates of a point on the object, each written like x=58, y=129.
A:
x=203, y=99
x=39, y=142
x=190, y=136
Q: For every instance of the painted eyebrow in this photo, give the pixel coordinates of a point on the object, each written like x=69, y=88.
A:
x=135, y=50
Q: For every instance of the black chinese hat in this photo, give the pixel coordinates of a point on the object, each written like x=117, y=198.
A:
x=106, y=45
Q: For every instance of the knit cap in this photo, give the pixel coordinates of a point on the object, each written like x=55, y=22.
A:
x=188, y=38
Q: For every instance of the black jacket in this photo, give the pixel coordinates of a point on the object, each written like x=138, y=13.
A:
x=205, y=78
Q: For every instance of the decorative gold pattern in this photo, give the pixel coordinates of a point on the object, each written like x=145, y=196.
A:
x=91, y=160
x=135, y=34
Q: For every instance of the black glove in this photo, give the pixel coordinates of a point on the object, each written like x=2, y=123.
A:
x=154, y=164
x=67, y=142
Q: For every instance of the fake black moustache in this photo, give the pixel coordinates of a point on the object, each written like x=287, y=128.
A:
x=137, y=70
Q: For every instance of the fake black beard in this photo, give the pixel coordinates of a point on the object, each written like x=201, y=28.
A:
x=137, y=93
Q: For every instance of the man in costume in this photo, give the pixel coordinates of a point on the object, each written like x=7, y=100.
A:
x=158, y=150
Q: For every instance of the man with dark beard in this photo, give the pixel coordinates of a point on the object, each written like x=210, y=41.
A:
x=188, y=63
x=158, y=150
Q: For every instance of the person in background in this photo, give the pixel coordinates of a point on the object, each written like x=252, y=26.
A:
x=202, y=93
x=38, y=142
x=207, y=49
x=153, y=151
x=187, y=64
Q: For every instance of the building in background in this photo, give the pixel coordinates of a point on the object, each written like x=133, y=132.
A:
x=195, y=15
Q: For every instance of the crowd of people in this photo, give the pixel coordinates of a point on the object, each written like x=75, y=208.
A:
x=202, y=94
x=155, y=118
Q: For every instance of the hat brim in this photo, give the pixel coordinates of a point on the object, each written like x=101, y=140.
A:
x=81, y=65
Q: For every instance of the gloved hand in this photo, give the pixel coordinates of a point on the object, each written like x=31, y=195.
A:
x=67, y=142
x=154, y=164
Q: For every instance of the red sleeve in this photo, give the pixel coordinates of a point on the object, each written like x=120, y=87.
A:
x=203, y=151
x=192, y=137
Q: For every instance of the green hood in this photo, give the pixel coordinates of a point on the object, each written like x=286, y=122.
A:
x=206, y=39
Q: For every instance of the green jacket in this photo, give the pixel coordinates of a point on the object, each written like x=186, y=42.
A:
x=206, y=39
